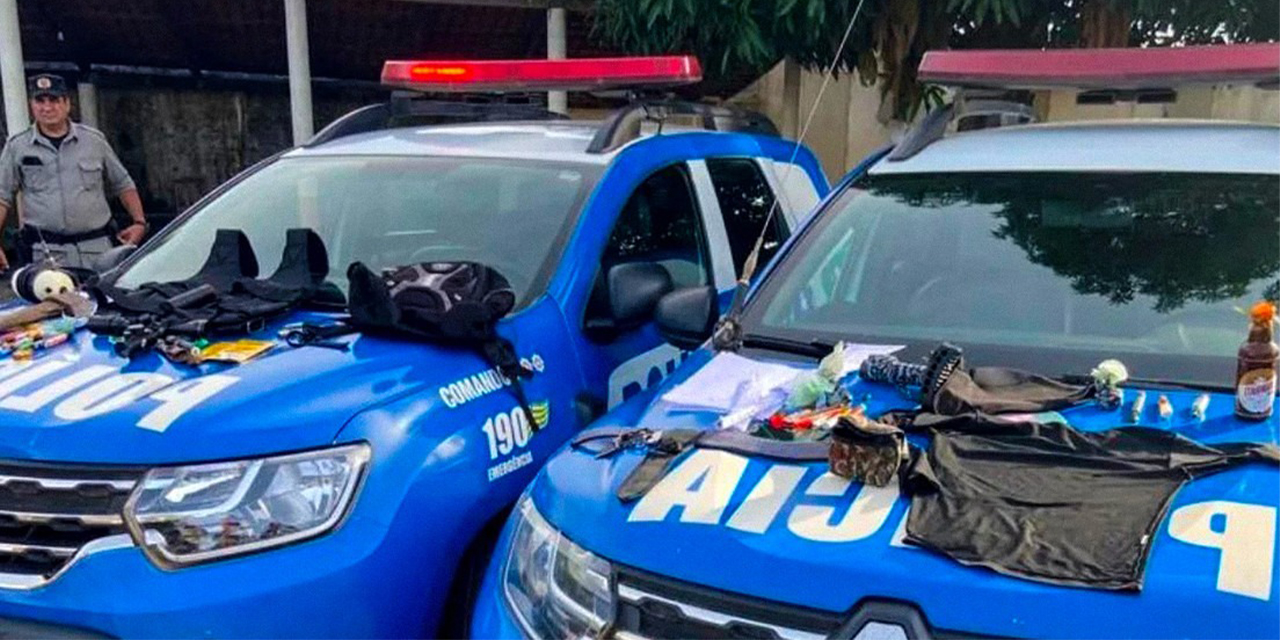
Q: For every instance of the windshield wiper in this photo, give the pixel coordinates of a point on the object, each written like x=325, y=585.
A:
x=1155, y=383
x=812, y=348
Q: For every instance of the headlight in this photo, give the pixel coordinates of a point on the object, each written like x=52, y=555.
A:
x=185, y=515
x=555, y=588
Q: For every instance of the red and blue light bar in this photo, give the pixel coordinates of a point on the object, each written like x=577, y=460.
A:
x=581, y=74
x=1149, y=68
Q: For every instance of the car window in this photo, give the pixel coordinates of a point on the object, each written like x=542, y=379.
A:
x=660, y=223
x=796, y=189
x=389, y=211
x=745, y=200
x=1046, y=271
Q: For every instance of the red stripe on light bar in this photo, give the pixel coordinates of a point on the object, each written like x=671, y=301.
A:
x=1102, y=68
x=582, y=74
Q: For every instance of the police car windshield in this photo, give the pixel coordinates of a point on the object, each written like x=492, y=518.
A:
x=512, y=215
x=1046, y=271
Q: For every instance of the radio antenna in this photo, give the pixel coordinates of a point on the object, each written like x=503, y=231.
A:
x=728, y=333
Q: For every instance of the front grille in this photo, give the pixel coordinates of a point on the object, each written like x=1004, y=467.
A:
x=652, y=606
x=48, y=512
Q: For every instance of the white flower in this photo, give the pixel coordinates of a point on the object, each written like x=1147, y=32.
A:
x=1110, y=373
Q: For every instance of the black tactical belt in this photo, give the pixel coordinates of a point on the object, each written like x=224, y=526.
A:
x=662, y=448
x=34, y=235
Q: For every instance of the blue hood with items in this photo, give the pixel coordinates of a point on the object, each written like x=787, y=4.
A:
x=80, y=402
x=793, y=533
x=141, y=384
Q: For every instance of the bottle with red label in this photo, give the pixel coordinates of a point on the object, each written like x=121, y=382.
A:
x=1256, y=365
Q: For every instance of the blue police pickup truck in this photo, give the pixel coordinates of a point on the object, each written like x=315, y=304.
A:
x=1041, y=247
x=353, y=491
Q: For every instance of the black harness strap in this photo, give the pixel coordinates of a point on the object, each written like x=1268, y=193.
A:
x=502, y=355
x=749, y=445
x=659, y=456
x=662, y=447
x=722, y=439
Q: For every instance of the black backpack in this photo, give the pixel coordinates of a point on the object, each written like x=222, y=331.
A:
x=455, y=303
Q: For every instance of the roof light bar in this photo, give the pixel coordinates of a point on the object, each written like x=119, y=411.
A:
x=583, y=74
x=1103, y=68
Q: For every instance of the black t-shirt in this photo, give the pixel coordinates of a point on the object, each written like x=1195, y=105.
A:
x=57, y=140
x=1047, y=502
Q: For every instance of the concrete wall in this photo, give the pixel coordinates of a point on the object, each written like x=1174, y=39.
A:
x=845, y=127
x=181, y=143
x=1222, y=102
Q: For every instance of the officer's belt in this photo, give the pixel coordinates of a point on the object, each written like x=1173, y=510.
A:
x=33, y=235
x=662, y=447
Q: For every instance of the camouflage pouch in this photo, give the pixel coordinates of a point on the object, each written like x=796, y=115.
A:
x=867, y=451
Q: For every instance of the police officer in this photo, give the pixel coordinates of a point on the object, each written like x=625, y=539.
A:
x=65, y=172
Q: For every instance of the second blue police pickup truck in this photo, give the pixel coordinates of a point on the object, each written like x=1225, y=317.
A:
x=321, y=492
x=1045, y=247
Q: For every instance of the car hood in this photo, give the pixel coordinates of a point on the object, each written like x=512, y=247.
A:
x=824, y=544
x=79, y=402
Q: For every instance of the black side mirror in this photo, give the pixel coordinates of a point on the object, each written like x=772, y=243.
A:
x=112, y=258
x=634, y=289
x=687, y=317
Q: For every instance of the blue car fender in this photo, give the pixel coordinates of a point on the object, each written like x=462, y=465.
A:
x=452, y=456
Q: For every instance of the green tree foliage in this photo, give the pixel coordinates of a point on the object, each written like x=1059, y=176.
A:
x=890, y=36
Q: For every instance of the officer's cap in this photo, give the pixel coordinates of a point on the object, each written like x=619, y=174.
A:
x=47, y=84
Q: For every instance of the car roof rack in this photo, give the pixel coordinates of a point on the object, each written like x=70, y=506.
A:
x=624, y=124
x=977, y=111
x=645, y=79
x=984, y=80
x=930, y=129
x=408, y=108
x=970, y=110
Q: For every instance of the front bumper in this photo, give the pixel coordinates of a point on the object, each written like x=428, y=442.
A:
x=674, y=618
x=350, y=583
x=652, y=606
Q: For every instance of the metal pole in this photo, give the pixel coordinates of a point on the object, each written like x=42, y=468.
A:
x=791, y=85
x=87, y=92
x=12, y=73
x=295, y=25
x=557, y=49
